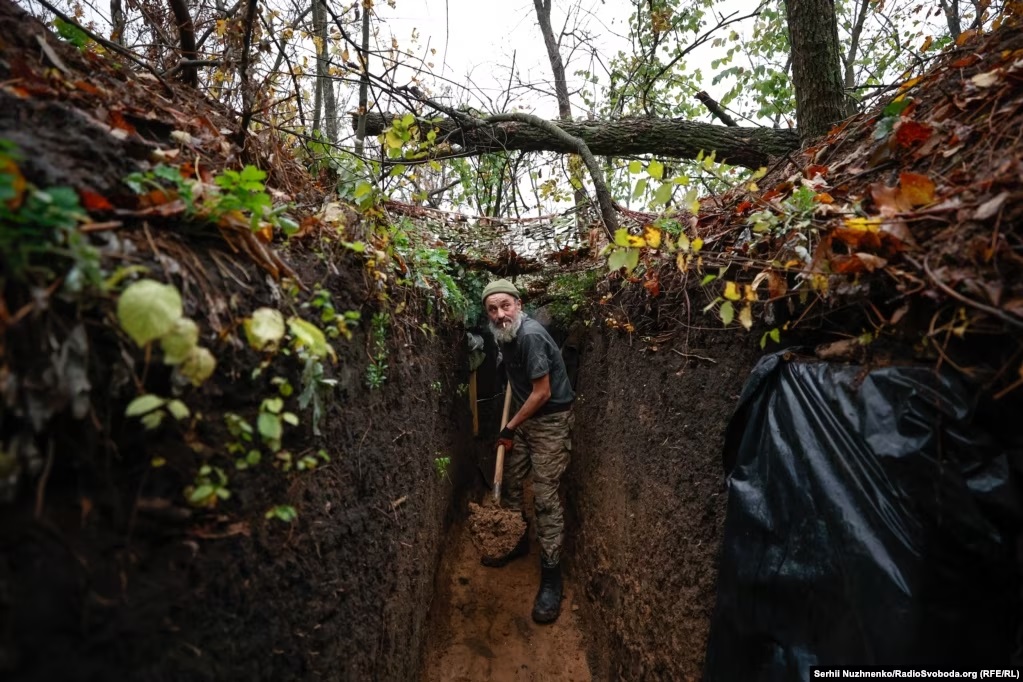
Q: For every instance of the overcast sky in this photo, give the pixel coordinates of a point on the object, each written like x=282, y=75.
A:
x=481, y=37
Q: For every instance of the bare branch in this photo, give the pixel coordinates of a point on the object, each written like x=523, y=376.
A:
x=715, y=108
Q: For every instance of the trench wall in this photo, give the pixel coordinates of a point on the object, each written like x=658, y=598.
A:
x=646, y=495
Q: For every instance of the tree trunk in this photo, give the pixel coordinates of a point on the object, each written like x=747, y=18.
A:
x=816, y=71
x=543, y=16
x=324, y=83
x=951, y=12
x=360, y=128
x=117, y=21
x=318, y=18
x=678, y=138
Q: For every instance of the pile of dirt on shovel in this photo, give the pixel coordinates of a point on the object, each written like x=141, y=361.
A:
x=495, y=531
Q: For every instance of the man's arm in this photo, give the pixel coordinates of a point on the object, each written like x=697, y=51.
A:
x=537, y=398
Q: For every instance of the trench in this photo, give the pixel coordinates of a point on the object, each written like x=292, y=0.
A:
x=480, y=626
x=643, y=524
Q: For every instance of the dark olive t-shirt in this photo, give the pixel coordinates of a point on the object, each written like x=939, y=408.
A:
x=530, y=355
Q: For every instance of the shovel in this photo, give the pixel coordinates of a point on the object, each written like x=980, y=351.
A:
x=499, y=464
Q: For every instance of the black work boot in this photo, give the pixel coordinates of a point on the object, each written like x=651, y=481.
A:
x=521, y=549
x=548, y=600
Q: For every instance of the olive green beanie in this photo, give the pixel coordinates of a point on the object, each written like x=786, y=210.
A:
x=500, y=286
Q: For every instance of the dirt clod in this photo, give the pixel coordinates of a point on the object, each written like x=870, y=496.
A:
x=495, y=531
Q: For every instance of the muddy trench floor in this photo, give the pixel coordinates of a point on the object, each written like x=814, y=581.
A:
x=480, y=624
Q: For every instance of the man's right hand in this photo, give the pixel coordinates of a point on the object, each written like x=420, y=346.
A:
x=507, y=439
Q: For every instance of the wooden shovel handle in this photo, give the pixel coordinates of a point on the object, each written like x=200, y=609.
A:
x=499, y=464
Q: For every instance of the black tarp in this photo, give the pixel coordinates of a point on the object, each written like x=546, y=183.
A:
x=872, y=518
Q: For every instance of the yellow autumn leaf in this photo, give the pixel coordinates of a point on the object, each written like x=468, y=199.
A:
x=927, y=43
x=732, y=291
x=682, y=262
x=623, y=238
x=697, y=244
x=818, y=282
x=908, y=84
x=746, y=317
x=749, y=293
x=863, y=224
x=652, y=236
x=683, y=243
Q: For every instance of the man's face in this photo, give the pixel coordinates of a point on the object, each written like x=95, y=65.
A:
x=504, y=313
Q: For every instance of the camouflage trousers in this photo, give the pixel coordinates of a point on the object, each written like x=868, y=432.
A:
x=543, y=444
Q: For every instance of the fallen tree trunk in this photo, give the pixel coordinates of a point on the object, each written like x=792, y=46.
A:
x=677, y=138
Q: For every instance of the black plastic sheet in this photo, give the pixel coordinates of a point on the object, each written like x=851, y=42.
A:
x=872, y=519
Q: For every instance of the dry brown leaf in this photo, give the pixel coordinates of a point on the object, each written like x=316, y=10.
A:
x=888, y=200
x=986, y=80
x=990, y=207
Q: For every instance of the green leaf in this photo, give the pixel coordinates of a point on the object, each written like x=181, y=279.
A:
x=179, y=341
x=707, y=279
x=143, y=404
x=310, y=336
x=178, y=409
x=282, y=512
x=727, y=312
x=897, y=107
x=655, y=169
x=618, y=259
x=153, y=419
x=407, y=120
x=631, y=259
x=71, y=33
x=662, y=195
x=264, y=329
x=198, y=366
x=775, y=335
x=272, y=405
x=692, y=204
x=254, y=457
x=201, y=494
x=290, y=418
x=640, y=188
x=148, y=309
x=252, y=174
x=269, y=426
x=635, y=167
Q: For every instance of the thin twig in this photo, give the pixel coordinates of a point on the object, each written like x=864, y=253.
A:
x=1000, y=314
x=693, y=355
x=41, y=486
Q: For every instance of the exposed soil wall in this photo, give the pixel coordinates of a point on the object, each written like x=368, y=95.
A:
x=118, y=579
x=646, y=491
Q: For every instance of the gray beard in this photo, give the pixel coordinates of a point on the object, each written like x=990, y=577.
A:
x=507, y=334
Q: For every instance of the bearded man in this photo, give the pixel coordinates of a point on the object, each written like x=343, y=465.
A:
x=537, y=437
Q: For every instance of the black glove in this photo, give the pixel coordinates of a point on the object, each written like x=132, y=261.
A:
x=507, y=439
